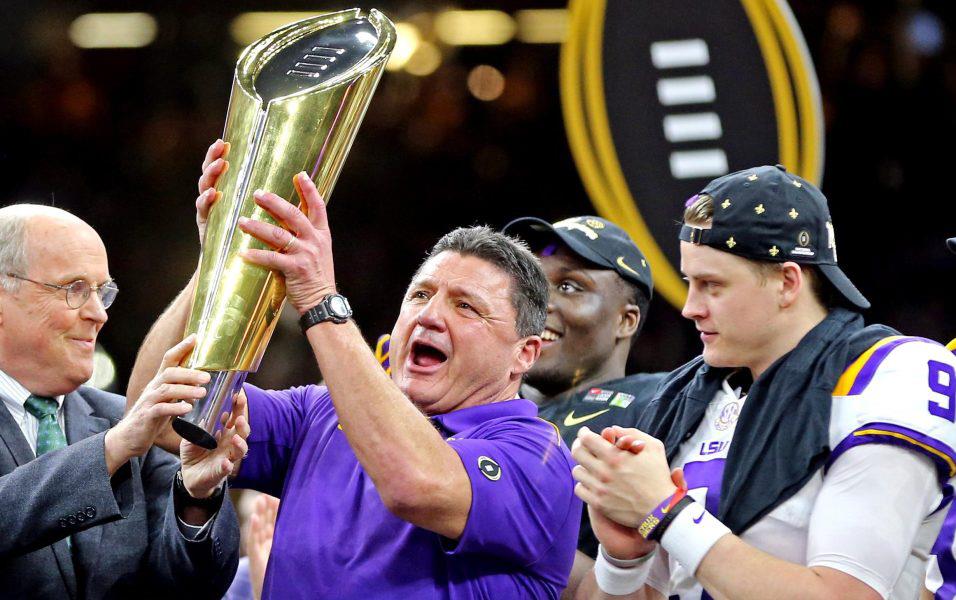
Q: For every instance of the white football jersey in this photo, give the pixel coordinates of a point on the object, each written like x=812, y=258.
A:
x=900, y=393
x=941, y=572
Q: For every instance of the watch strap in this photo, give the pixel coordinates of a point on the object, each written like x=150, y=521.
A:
x=182, y=498
x=322, y=312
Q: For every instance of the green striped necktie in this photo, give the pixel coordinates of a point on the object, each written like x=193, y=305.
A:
x=49, y=435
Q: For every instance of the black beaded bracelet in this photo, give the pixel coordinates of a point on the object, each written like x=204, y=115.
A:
x=658, y=531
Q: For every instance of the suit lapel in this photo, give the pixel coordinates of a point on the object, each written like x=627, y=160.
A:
x=82, y=422
x=81, y=418
x=13, y=438
x=18, y=447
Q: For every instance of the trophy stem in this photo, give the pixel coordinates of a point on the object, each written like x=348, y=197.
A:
x=202, y=422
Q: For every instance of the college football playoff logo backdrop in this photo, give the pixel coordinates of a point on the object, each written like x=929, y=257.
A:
x=661, y=96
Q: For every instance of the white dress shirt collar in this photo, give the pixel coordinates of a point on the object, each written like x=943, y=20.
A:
x=14, y=395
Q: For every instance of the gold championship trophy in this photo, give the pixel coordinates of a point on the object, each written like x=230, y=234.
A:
x=298, y=97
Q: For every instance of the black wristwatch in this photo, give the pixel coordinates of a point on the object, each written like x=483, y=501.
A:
x=183, y=498
x=333, y=307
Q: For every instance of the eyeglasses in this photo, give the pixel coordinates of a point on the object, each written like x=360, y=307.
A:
x=78, y=292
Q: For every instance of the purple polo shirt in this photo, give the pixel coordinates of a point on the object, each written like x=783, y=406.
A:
x=334, y=538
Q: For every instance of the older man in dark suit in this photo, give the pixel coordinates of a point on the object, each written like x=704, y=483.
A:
x=89, y=510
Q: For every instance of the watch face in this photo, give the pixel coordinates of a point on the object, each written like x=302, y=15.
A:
x=338, y=307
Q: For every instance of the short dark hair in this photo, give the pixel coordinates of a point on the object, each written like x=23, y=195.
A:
x=529, y=292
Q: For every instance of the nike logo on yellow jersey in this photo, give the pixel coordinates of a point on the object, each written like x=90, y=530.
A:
x=571, y=420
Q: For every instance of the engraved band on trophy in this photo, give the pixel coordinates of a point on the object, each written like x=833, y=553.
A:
x=298, y=97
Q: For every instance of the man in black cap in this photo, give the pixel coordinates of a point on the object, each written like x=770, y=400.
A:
x=600, y=289
x=811, y=451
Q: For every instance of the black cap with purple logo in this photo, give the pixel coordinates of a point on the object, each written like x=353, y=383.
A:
x=768, y=214
x=592, y=238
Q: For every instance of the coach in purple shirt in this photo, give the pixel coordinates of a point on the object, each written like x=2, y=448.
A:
x=436, y=483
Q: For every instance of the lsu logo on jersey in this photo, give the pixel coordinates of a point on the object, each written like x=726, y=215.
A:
x=728, y=416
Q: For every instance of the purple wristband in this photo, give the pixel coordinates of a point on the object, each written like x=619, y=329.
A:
x=654, y=518
x=663, y=512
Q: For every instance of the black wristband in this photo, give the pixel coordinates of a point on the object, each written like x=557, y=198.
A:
x=183, y=499
x=658, y=531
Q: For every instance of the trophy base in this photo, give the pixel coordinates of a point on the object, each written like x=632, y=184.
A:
x=199, y=425
x=194, y=433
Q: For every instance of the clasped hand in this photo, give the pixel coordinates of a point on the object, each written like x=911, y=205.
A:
x=622, y=475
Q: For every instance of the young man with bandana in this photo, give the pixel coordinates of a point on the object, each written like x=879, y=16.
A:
x=814, y=451
x=600, y=289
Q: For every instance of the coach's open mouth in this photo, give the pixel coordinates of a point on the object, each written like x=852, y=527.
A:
x=426, y=355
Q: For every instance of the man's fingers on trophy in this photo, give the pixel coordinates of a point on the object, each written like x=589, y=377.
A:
x=239, y=403
x=238, y=448
x=183, y=375
x=175, y=355
x=287, y=247
x=165, y=410
x=228, y=420
x=314, y=204
x=268, y=259
x=238, y=410
x=242, y=426
x=283, y=212
x=217, y=149
x=277, y=237
x=212, y=153
x=176, y=392
x=204, y=202
x=211, y=174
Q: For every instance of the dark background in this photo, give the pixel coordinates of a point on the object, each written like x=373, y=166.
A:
x=117, y=136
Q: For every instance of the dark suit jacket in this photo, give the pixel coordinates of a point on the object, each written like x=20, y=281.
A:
x=126, y=540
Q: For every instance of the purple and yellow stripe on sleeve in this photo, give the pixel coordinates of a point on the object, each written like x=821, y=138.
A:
x=381, y=352
x=951, y=346
x=896, y=435
x=860, y=373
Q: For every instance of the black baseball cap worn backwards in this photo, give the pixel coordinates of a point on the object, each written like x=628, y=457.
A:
x=768, y=214
x=594, y=239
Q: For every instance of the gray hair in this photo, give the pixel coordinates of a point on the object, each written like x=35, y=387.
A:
x=529, y=292
x=13, y=251
x=14, y=220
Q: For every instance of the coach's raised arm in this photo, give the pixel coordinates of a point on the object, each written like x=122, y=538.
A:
x=437, y=482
